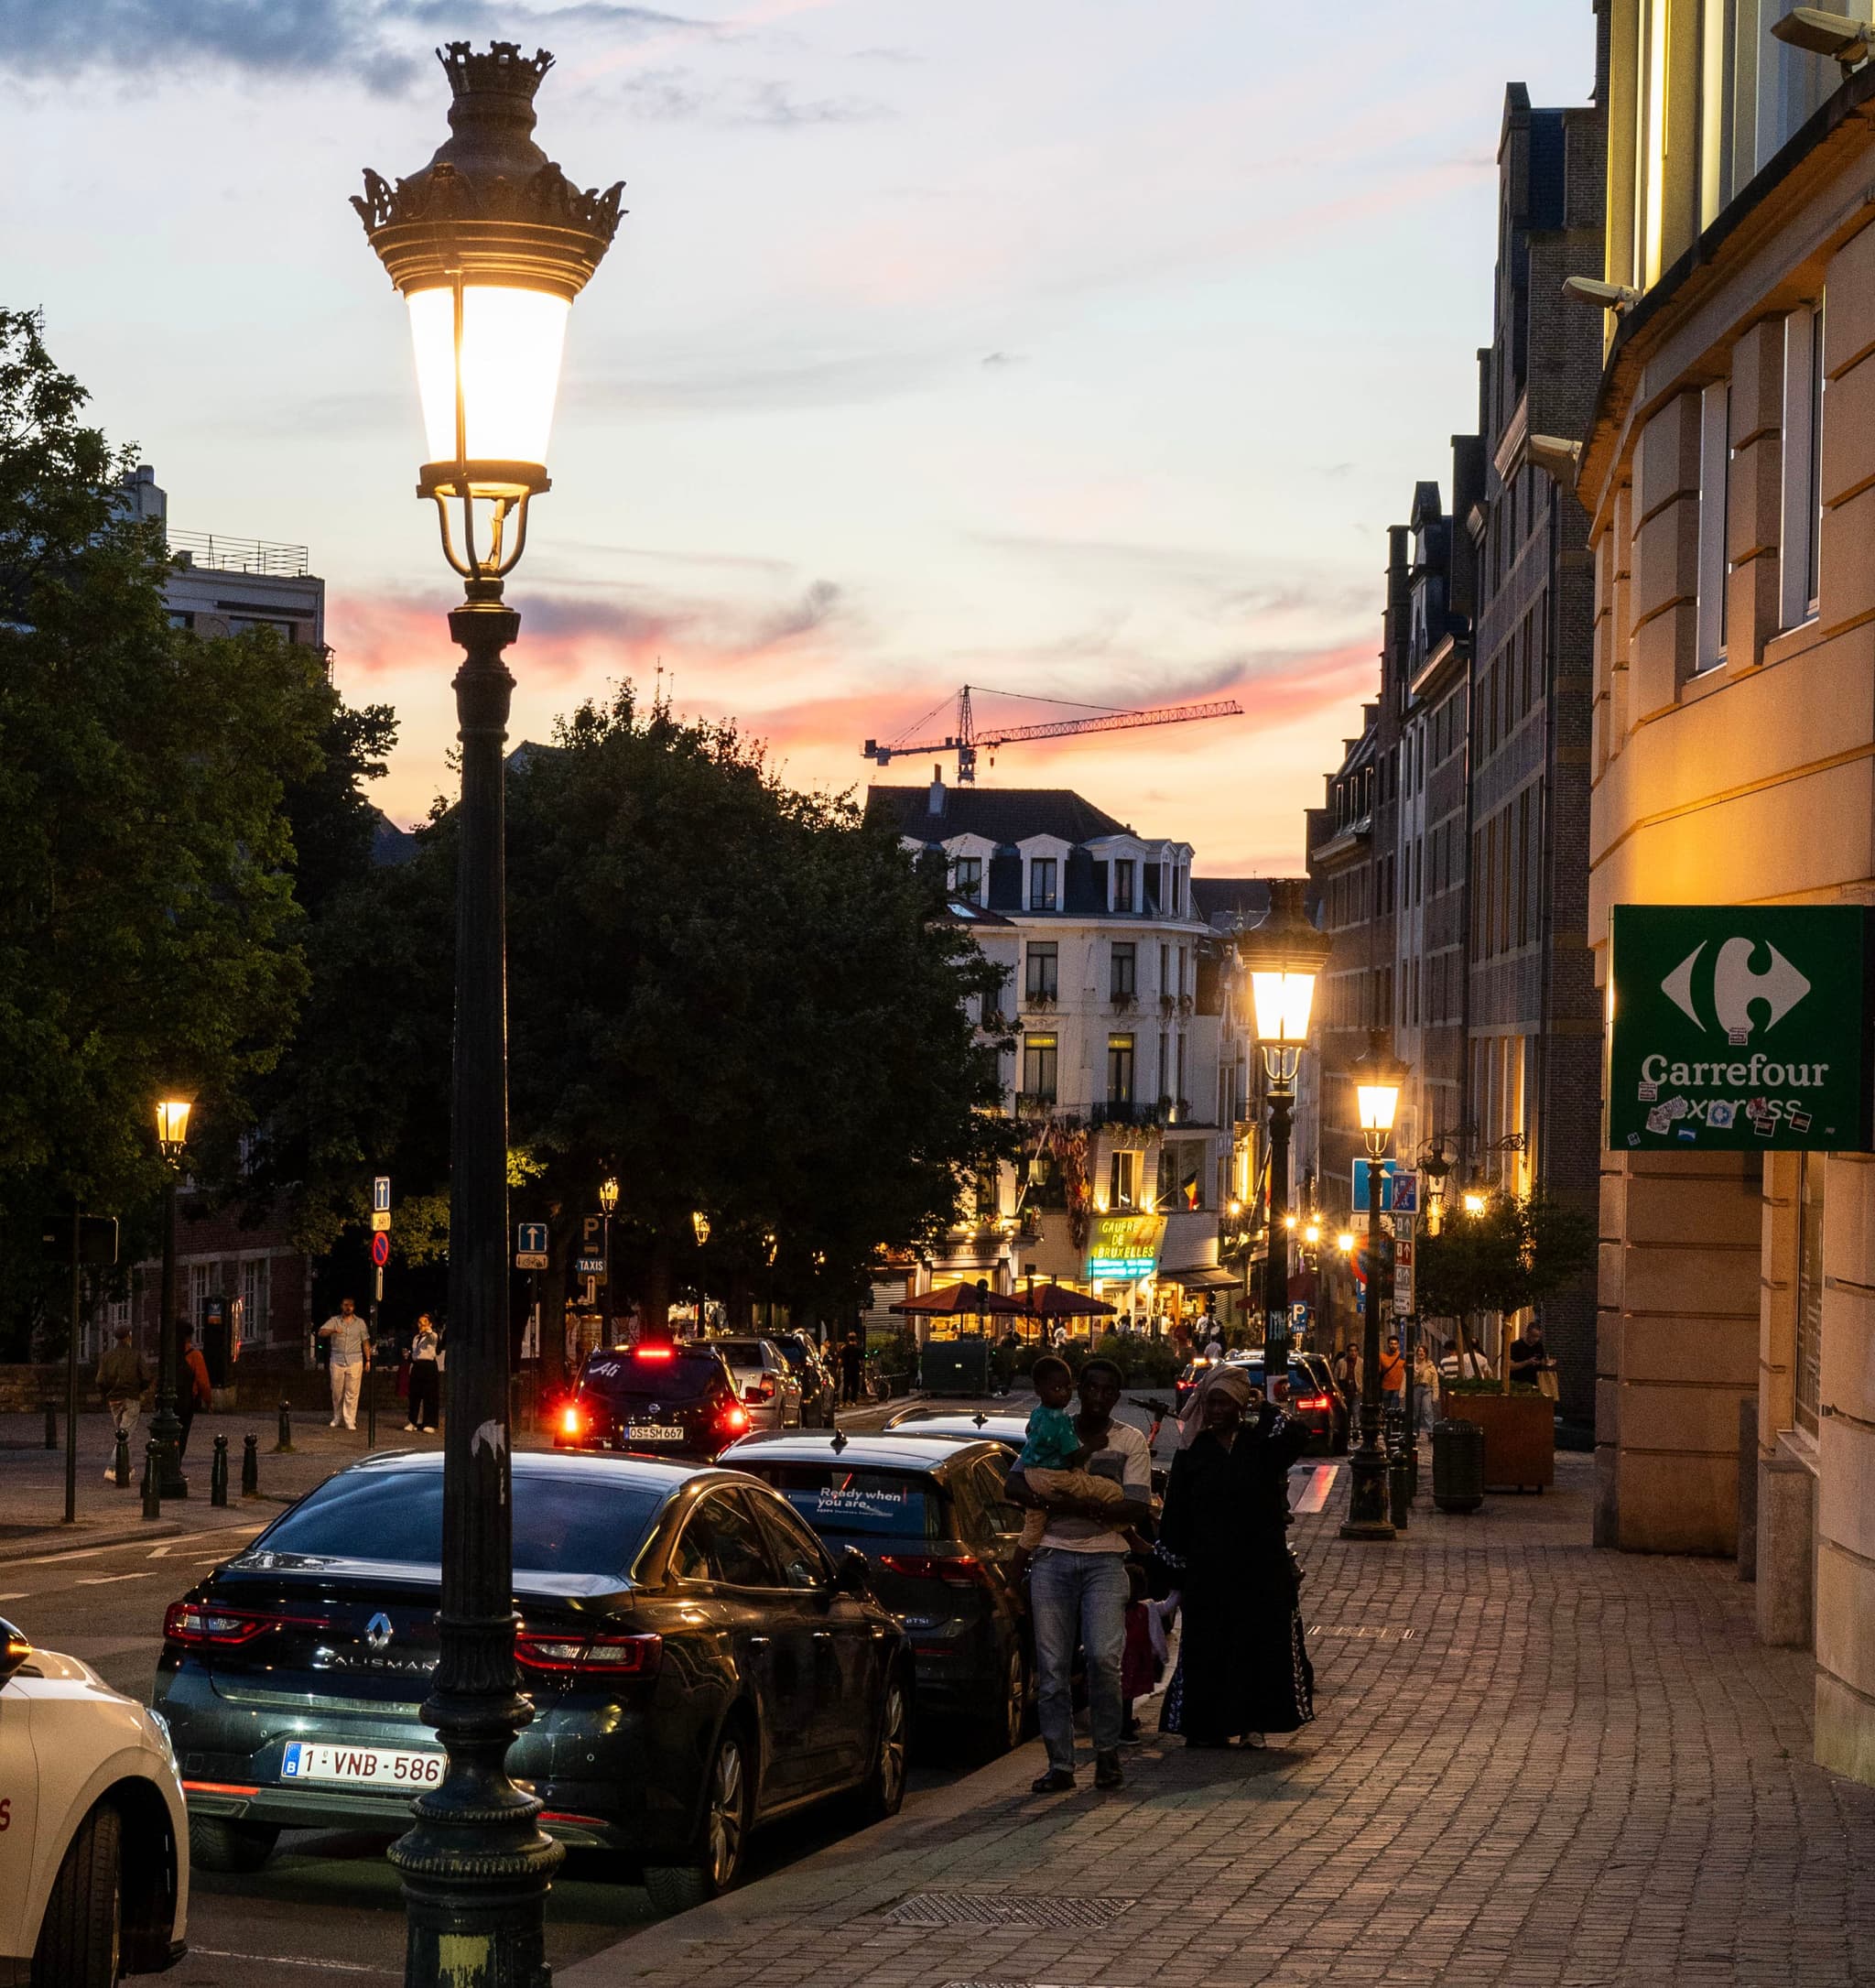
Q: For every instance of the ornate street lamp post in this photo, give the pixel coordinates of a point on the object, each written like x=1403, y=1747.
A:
x=1378, y=1079
x=608, y=1202
x=166, y=1424
x=1285, y=955
x=489, y=244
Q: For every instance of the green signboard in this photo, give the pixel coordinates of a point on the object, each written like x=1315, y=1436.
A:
x=1738, y=1026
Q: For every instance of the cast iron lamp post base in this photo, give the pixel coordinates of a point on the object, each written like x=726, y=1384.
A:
x=476, y=1865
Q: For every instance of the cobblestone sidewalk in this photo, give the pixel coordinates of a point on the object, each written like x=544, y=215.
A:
x=1534, y=1764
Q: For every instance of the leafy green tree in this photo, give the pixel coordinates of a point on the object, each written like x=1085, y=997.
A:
x=1513, y=1254
x=148, y=925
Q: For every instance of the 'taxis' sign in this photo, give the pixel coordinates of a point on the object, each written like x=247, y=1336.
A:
x=1740, y=1026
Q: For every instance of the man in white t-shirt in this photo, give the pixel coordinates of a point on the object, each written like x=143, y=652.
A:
x=1078, y=1589
x=351, y=1360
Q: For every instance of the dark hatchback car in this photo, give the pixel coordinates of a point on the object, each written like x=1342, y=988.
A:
x=934, y=1521
x=813, y=1368
x=698, y=1663
x=655, y=1398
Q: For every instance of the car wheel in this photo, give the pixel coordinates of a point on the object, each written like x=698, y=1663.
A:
x=677, y=1887
x=217, y=1844
x=1002, y=1730
x=79, y=1939
x=883, y=1792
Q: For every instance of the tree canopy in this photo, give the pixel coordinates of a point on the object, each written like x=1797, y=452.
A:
x=1516, y=1251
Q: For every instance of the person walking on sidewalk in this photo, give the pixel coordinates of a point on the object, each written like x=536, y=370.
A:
x=1243, y=1668
x=1394, y=1378
x=424, y=1391
x=193, y=1390
x=1079, y=1588
x=1426, y=1374
x=853, y=1360
x=351, y=1360
x=122, y=1379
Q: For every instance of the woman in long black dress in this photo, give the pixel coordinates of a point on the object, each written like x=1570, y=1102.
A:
x=1243, y=1669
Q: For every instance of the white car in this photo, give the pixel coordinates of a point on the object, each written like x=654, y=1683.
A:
x=93, y=1832
x=767, y=1384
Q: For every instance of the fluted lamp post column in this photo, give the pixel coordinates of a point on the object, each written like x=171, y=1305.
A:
x=488, y=244
x=1285, y=955
x=166, y=1424
x=1378, y=1080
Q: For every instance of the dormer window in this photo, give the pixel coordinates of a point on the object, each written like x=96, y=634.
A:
x=1044, y=891
x=1124, y=869
x=967, y=879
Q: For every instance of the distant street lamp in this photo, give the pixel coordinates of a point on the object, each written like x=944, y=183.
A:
x=608, y=1202
x=166, y=1424
x=489, y=244
x=1285, y=955
x=1378, y=1080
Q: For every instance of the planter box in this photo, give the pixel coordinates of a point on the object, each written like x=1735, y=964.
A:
x=1520, y=1447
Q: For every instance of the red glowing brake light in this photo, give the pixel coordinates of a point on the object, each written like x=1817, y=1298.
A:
x=1315, y=1401
x=591, y=1657
x=653, y=1353
x=202, y=1624
x=572, y=1420
x=962, y=1572
x=735, y=1419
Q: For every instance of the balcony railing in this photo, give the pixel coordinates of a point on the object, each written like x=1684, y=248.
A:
x=1116, y=1114
x=224, y=555
x=1033, y=1104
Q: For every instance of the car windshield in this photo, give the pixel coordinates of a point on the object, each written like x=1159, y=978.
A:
x=667, y=1372
x=834, y=1498
x=563, y=1525
x=740, y=1353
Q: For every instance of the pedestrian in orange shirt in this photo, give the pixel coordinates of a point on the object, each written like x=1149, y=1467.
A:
x=191, y=1383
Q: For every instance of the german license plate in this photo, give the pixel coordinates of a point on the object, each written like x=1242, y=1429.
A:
x=655, y=1432
x=376, y=1766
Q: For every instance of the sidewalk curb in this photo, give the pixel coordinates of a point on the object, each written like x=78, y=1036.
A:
x=851, y=1866
x=81, y=1538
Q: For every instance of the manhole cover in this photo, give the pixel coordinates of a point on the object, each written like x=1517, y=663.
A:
x=1005, y=1908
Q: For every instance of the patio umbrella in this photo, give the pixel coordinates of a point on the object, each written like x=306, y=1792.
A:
x=963, y=1300
x=1056, y=1301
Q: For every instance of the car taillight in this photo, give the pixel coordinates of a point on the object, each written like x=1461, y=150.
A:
x=207, y=1623
x=761, y=1390
x=572, y=1420
x=735, y=1419
x=963, y=1571
x=591, y=1657
x=654, y=1350
x=1315, y=1401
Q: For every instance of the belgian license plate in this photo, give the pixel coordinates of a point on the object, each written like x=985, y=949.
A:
x=376, y=1766
x=655, y=1432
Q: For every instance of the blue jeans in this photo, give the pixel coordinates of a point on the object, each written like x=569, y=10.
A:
x=1078, y=1598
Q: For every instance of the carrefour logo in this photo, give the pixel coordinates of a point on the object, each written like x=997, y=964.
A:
x=1735, y=986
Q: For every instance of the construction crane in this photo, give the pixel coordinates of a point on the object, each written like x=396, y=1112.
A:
x=967, y=742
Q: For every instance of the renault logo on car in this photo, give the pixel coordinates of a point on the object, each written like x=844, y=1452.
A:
x=377, y=1631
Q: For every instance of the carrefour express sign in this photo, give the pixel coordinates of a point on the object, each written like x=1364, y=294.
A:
x=1740, y=1026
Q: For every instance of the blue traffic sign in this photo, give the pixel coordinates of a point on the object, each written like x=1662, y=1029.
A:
x=530, y=1239
x=381, y=1194
x=1399, y=1188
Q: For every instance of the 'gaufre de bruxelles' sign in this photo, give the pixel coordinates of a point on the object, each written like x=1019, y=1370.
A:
x=1739, y=1026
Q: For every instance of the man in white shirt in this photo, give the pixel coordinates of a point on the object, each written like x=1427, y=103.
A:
x=1078, y=1589
x=351, y=1360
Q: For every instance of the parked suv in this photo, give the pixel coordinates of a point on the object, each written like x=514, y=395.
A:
x=765, y=1383
x=658, y=1398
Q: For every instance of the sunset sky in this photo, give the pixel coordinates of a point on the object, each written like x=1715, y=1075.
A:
x=1084, y=348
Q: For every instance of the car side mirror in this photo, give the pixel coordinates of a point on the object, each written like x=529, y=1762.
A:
x=15, y=1646
x=854, y=1573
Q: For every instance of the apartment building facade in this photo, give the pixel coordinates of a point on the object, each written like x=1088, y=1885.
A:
x=1729, y=479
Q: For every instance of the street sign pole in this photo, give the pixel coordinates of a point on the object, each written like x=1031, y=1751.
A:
x=379, y=1253
x=72, y=1377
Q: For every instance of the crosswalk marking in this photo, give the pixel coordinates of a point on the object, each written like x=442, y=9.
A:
x=1321, y=1480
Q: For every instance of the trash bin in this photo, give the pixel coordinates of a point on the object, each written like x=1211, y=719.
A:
x=956, y=1366
x=1458, y=1466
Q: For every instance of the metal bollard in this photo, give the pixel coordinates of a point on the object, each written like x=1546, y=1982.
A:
x=250, y=1466
x=285, y=1446
x=151, y=1489
x=51, y=1427
x=120, y=1465
x=370, y=1408
x=218, y=1472
x=1399, y=1491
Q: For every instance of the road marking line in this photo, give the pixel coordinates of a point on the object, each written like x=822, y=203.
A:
x=104, y=1580
x=156, y=1553
x=25, y=1594
x=286, y=1960
x=1321, y=1480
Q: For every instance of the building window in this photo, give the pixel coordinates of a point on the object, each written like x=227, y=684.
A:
x=1039, y=1062
x=1124, y=869
x=1120, y=1070
x=1124, y=981
x=255, y=1290
x=1041, y=874
x=1715, y=490
x=1808, y=1363
x=1043, y=970
x=967, y=879
x=1802, y=464
x=1122, y=1179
